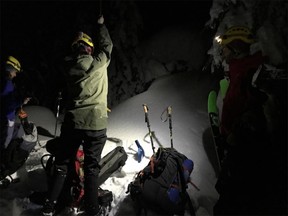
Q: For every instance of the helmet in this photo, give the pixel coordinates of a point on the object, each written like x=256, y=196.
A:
x=237, y=32
x=11, y=61
x=84, y=38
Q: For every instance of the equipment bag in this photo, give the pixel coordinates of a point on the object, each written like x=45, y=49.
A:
x=161, y=185
x=111, y=162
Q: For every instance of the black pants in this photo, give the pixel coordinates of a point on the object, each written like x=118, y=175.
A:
x=93, y=142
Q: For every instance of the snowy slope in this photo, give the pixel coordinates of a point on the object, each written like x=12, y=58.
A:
x=187, y=95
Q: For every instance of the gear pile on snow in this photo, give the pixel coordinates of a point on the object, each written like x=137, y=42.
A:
x=161, y=185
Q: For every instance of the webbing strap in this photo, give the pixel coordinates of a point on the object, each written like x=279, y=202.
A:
x=183, y=186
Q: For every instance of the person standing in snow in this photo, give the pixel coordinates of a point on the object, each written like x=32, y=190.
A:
x=10, y=100
x=241, y=95
x=86, y=116
x=243, y=128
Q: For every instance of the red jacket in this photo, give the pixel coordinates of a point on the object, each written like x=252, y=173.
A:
x=239, y=97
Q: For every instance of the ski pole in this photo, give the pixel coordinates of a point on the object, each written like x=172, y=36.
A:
x=169, y=116
x=169, y=110
x=148, y=125
x=57, y=112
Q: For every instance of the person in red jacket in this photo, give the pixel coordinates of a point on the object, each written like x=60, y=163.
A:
x=243, y=128
x=241, y=95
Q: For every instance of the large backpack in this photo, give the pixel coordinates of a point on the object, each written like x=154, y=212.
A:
x=161, y=185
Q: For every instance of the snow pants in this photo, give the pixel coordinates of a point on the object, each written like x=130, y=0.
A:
x=93, y=142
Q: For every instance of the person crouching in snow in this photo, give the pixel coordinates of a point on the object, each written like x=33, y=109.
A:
x=10, y=100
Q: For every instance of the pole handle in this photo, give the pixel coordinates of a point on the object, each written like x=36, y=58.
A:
x=145, y=108
x=169, y=110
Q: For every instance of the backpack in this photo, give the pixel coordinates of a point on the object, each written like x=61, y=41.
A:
x=162, y=184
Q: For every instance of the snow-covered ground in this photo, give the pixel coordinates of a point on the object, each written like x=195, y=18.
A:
x=186, y=93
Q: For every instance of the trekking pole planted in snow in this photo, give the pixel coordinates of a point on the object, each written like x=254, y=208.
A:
x=57, y=112
x=169, y=116
x=169, y=110
x=148, y=125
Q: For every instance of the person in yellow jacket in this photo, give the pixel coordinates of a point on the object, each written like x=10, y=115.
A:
x=86, y=116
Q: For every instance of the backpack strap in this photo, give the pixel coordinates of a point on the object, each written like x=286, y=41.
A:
x=183, y=184
x=191, y=208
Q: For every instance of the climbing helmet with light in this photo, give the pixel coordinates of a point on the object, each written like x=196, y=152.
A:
x=236, y=33
x=13, y=63
x=84, y=38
